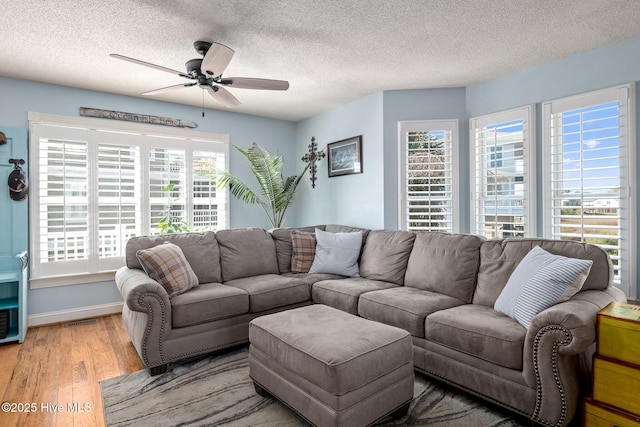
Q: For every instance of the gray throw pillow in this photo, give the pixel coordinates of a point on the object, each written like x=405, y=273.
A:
x=337, y=253
x=539, y=281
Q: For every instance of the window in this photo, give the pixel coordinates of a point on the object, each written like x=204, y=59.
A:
x=98, y=184
x=588, y=167
x=502, y=174
x=428, y=173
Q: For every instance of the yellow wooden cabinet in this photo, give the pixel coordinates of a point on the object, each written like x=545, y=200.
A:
x=619, y=332
x=597, y=415
x=616, y=369
x=616, y=384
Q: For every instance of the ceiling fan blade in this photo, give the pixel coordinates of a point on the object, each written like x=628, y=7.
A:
x=223, y=96
x=168, y=89
x=150, y=65
x=216, y=60
x=251, y=83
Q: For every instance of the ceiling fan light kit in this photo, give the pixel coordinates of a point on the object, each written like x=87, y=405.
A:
x=206, y=73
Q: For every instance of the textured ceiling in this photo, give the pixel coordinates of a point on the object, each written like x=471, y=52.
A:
x=331, y=51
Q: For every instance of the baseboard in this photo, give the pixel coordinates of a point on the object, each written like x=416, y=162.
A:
x=74, y=314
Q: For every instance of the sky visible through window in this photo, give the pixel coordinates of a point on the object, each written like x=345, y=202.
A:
x=591, y=150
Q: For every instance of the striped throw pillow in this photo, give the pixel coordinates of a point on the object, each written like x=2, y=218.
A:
x=539, y=281
x=167, y=265
x=304, y=251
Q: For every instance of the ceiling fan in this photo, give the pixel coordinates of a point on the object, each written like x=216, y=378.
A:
x=206, y=72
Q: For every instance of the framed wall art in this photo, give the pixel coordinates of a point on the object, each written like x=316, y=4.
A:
x=345, y=157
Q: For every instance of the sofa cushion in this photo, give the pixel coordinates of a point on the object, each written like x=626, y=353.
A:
x=337, y=253
x=310, y=279
x=403, y=307
x=167, y=265
x=303, y=252
x=444, y=263
x=206, y=303
x=479, y=331
x=284, y=245
x=539, y=281
x=200, y=249
x=343, y=294
x=269, y=291
x=246, y=252
x=498, y=259
x=385, y=255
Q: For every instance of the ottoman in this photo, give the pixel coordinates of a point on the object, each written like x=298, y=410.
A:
x=331, y=367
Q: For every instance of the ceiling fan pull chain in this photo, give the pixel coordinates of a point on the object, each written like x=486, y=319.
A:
x=202, y=103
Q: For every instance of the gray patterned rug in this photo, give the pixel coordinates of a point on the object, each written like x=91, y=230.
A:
x=216, y=391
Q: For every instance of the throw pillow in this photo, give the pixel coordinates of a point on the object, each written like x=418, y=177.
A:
x=304, y=251
x=337, y=253
x=167, y=265
x=539, y=281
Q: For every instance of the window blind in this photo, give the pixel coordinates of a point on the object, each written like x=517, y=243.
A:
x=99, y=185
x=587, y=172
x=501, y=179
x=428, y=189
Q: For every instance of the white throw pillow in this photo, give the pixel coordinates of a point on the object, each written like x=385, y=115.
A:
x=540, y=281
x=337, y=253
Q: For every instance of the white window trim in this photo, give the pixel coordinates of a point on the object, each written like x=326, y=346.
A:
x=628, y=282
x=526, y=113
x=424, y=126
x=161, y=136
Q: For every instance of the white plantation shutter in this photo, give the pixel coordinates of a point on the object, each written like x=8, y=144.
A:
x=167, y=166
x=120, y=210
x=587, y=170
x=62, y=216
x=99, y=183
x=428, y=173
x=208, y=202
x=502, y=175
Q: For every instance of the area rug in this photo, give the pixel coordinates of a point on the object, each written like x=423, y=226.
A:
x=217, y=391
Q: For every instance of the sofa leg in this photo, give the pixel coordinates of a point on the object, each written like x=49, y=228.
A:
x=157, y=370
x=260, y=391
x=401, y=411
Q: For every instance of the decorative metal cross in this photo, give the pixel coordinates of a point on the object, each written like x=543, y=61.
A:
x=312, y=157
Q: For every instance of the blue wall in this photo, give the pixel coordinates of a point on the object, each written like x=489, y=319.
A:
x=13, y=214
x=19, y=97
x=431, y=104
x=356, y=199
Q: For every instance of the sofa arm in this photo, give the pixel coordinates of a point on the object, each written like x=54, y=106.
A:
x=146, y=315
x=554, y=353
x=135, y=286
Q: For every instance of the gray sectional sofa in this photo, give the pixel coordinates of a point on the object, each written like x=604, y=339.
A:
x=440, y=287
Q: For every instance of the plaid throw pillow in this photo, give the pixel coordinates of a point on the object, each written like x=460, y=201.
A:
x=304, y=250
x=167, y=265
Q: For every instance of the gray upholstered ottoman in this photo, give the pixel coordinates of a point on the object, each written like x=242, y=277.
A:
x=332, y=368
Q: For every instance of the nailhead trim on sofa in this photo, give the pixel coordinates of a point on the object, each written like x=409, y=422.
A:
x=554, y=363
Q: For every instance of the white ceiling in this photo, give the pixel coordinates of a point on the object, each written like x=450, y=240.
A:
x=331, y=51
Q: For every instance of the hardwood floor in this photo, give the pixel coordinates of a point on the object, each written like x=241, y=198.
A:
x=52, y=378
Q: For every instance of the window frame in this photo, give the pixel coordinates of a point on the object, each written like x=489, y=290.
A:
x=142, y=135
x=527, y=115
x=628, y=165
x=406, y=126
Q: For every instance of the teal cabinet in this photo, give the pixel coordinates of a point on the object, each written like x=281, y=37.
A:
x=14, y=237
x=13, y=300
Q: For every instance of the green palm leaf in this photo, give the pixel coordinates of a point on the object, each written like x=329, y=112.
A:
x=276, y=193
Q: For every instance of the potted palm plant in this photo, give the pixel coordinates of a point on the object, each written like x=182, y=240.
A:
x=276, y=192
